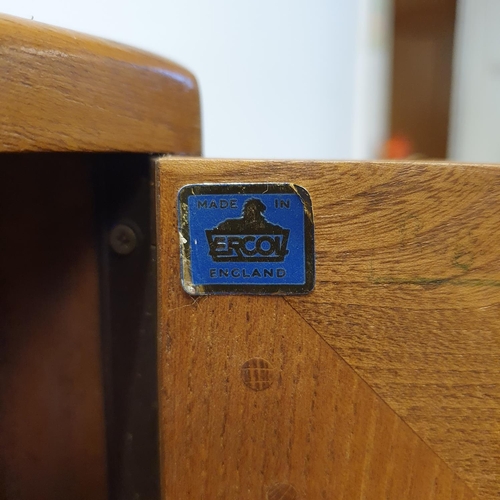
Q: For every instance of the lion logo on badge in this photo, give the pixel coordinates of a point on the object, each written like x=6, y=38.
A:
x=249, y=238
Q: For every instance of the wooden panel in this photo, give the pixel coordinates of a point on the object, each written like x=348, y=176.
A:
x=62, y=91
x=51, y=400
x=422, y=66
x=407, y=294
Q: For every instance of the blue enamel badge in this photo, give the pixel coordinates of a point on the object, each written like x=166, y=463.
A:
x=246, y=238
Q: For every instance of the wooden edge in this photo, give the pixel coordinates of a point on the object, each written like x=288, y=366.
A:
x=63, y=91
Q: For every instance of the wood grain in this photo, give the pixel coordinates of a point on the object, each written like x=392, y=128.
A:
x=420, y=340
x=63, y=91
x=52, y=444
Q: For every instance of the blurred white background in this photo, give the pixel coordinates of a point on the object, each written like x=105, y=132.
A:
x=475, y=109
x=278, y=78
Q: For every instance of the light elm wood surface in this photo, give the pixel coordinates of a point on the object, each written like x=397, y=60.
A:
x=63, y=91
x=386, y=376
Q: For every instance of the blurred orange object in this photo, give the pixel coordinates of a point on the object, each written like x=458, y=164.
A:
x=397, y=147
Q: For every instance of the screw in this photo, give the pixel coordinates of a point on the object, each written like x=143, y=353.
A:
x=123, y=239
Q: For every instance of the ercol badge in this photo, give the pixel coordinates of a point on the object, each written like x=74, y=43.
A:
x=246, y=238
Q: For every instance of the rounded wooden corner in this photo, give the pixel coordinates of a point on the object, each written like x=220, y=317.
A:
x=63, y=91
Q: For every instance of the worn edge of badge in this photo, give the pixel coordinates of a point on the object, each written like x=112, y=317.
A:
x=246, y=188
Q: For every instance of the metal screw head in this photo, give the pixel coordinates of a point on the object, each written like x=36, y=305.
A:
x=122, y=239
